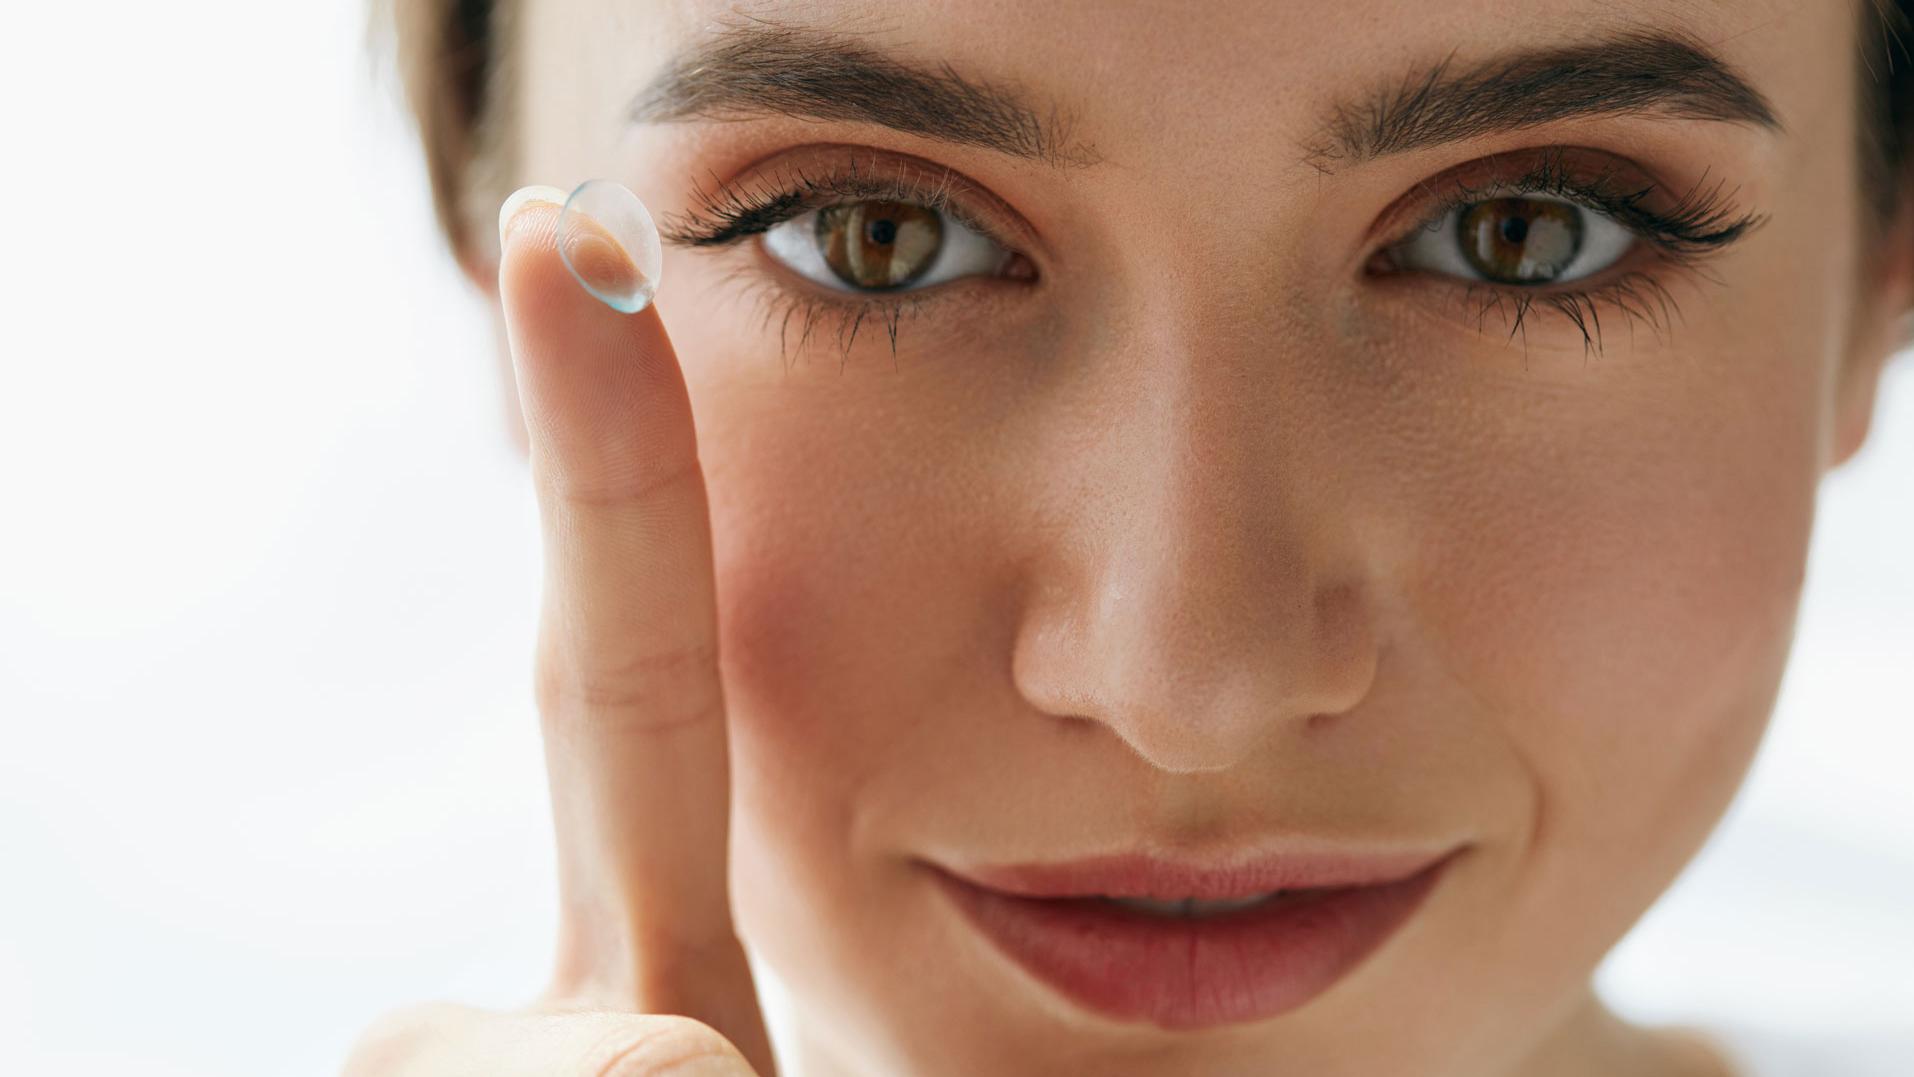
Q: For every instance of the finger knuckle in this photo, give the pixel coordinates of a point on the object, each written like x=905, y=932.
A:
x=592, y=483
x=639, y=690
x=669, y=1045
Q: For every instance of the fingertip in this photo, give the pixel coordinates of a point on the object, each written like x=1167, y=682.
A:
x=532, y=277
x=603, y=401
x=509, y=210
x=602, y=233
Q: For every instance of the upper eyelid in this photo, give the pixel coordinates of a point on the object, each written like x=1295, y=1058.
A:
x=1707, y=221
x=1699, y=220
x=925, y=183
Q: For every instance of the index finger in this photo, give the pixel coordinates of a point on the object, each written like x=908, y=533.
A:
x=627, y=667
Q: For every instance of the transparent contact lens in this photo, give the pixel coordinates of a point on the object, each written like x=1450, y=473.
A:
x=609, y=242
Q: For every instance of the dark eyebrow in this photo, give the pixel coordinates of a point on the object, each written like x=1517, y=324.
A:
x=766, y=68
x=1635, y=71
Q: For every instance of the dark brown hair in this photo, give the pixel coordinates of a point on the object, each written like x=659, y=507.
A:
x=455, y=69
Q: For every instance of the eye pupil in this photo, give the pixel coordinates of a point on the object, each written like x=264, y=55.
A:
x=1520, y=240
x=879, y=244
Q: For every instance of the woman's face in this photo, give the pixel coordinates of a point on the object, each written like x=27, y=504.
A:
x=1217, y=515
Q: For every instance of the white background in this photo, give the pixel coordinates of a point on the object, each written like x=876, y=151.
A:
x=267, y=582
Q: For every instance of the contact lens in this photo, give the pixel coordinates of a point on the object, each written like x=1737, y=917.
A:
x=609, y=242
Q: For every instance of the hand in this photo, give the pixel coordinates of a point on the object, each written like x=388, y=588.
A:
x=632, y=710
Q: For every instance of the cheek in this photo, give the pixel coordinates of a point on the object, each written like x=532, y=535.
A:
x=802, y=706
x=823, y=631
x=1614, y=575
x=802, y=740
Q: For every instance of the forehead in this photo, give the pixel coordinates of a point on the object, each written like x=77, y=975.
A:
x=1167, y=89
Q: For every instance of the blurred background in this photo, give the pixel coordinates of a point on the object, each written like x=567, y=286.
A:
x=268, y=570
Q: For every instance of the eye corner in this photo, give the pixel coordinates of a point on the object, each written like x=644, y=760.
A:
x=1382, y=262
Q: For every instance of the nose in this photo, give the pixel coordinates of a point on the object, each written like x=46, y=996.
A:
x=1201, y=591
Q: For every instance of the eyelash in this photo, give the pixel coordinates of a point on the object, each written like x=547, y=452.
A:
x=731, y=214
x=1685, y=236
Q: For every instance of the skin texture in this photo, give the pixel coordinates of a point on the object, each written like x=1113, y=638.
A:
x=1206, y=537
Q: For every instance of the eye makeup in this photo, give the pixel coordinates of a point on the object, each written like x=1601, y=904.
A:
x=1673, y=233
x=732, y=211
x=728, y=214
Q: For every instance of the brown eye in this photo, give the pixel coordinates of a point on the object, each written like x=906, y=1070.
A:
x=885, y=245
x=1520, y=240
x=879, y=245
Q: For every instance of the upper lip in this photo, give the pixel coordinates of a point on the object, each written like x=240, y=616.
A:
x=1176, y=877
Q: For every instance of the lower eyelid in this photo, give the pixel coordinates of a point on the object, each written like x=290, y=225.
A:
x=774, y=285
x=1589, y=316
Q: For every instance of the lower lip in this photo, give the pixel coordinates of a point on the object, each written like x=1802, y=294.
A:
x=1177, y=973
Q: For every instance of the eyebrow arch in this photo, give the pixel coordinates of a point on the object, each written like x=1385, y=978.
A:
x=1637, y=71
x=766, y=68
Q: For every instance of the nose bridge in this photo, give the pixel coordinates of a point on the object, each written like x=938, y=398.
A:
x=1205, y=608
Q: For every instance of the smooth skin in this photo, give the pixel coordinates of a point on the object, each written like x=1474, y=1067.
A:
x=634, y=724
x=632, y=707
x=1208, y=537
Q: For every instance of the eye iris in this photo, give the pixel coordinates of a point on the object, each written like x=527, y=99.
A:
x=1520, y=240
x=879, y=244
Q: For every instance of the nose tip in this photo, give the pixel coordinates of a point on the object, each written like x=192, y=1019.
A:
x=1206, y=585
x=1199, y=688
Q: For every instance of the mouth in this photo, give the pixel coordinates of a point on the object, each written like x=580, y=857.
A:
x=1186, y=946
